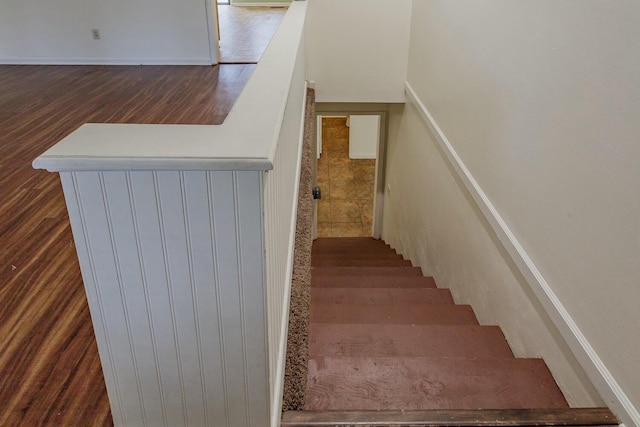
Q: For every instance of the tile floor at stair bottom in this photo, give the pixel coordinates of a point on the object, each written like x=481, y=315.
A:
x=346, y=207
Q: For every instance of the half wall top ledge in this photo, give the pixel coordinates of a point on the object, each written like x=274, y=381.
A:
x=245, y=141
x=103, y=147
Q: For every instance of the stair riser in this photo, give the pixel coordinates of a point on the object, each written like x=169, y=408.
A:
x=352, y=249
x=366, y=271
x=319, y=260
x=357, y=255
x=397, y=282
x=380, y=295
x=341, y=262
x=333, y=242
x=407, y=340
x=418, y=314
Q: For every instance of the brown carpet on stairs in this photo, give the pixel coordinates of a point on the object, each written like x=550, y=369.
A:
x=295, y=373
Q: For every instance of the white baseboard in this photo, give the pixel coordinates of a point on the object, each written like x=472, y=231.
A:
x=590, y=361
x=105, y=61
x=271, y=4
x=362, y=156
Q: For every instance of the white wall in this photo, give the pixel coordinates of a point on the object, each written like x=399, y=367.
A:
x=430, y=219
x=358, y=49
x=143, y=31
x=364, y=132
x=541, y=101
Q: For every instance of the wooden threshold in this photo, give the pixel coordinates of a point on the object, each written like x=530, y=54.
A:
x=482, y=417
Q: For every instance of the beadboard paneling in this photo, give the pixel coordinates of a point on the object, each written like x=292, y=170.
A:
x=173, y=268
x=281, y=199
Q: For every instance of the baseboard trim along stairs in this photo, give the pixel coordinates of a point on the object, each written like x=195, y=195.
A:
x=389, y=348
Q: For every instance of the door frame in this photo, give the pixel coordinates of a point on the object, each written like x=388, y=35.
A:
x=211, y=9
x=381, y=153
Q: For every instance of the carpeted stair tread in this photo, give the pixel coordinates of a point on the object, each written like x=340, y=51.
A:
x=383, y=383
x=366, y=271
x=342, y=262
x=352, y=295
x=419, y=314
x=470, y=341
x=397, y=282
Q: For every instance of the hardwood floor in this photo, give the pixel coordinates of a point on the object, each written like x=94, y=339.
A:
x=50, y=371
x=245, y=32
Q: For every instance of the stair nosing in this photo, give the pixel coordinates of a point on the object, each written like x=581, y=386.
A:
x=597, y=416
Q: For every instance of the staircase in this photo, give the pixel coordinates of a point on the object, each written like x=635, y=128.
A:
x=387, y=347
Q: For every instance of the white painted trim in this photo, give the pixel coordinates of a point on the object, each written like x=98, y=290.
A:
x=105, y=61
x=379, y=180
x=276, y=410
x=271, y=4
x=588, y=358
x=319, y=136
x=211, y=9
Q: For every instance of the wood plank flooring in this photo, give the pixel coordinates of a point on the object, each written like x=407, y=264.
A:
x=245, y=32
x=50, y=372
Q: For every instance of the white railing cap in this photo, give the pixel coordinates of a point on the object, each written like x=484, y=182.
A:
x=245, y=141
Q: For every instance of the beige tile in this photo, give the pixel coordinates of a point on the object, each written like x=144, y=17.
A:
x=337, y=129
x=364, y=162
x=324, y=229
x=331, y=136
x=324, y=211
x=340, y=144
x=364, y=190
x=364, y=173
x=343, y=190
x=322, y=172
x=323, y=162
x=345, y=211
x=334, y=121
x=367, y=229
x=366, y=210
x=339, y=161
x=340, y=172
x=323, y=181
x=346, y=229
x=326, y=191
x=338, y=153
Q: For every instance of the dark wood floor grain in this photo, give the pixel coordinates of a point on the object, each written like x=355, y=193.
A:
x=50, y=372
